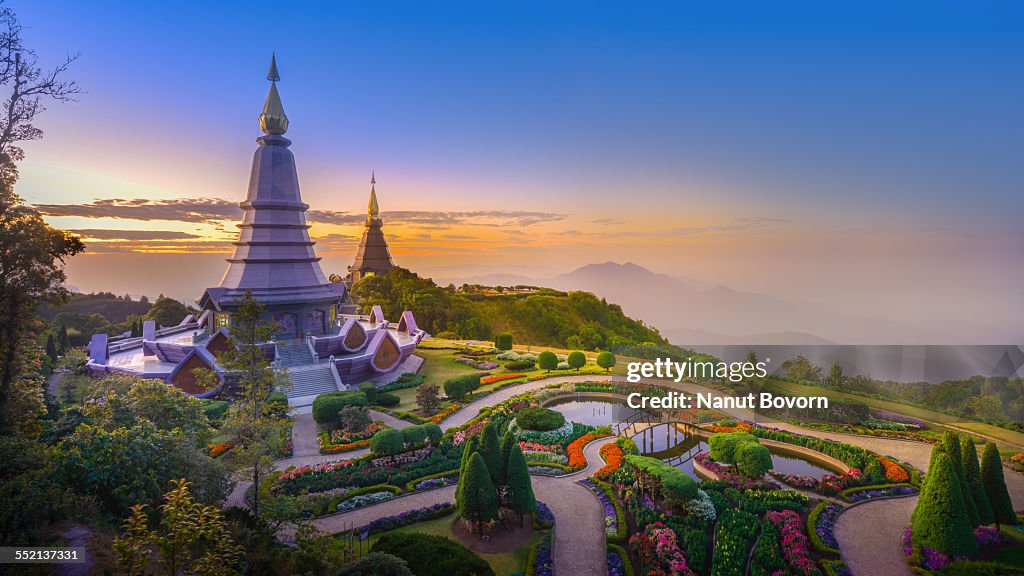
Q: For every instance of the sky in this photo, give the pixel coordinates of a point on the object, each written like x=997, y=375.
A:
x=863, y=155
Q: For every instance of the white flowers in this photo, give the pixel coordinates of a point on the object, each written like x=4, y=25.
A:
x=701, y=506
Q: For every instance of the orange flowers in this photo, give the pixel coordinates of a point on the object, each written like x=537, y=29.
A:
x=577, y=459
x=498, y=378
x=336, y=448
x=437, y=418
x=218, y=449
x=893, y=471
x=740, y=427
x=613, y=457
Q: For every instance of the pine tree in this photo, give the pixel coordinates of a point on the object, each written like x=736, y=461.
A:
x=951, y=446
x=507, y=442
x=969, y=455
x=467, y=451
x=63, y=340
x=490, y=449
x=995, y=486
x=51, y=348
x=940, y=519
x=479, y=501
x=519, y=483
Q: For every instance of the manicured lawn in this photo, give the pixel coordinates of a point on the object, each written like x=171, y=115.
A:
x=1011, y=441
x=619, y=369
x=503, y=563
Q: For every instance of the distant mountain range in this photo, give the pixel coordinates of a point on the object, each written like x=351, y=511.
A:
x=692, y=313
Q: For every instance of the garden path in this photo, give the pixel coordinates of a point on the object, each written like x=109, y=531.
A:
x=304, y=441
x=870, y=536
x=579, y=541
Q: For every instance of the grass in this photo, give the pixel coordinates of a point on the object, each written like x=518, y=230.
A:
x=1007, y=440
x=1010, y=556
x=502, y=563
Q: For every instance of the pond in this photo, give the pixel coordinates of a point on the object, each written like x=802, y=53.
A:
x=593, y=412
x=668, y=443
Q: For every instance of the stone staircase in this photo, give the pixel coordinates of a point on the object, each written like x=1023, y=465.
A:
x=310, y=381
x=292, y=353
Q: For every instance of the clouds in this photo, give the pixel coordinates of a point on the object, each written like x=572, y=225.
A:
x=103, y=234
x=736, y=225
x=218, y=210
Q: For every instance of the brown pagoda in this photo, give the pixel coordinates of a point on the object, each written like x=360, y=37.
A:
x=373, y=256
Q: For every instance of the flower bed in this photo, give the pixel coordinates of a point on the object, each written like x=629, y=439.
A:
x=440, y=416
x=828, y=485
x=540, y=562
x=613, y=456
x=547, y=471
x=478, y=364
x=658, y=549
x=761, y=501
x=863, y=493
x=734, y=480
x=618, y=562
x=820, y=525
x=365, y=471
x=406, y=518
x=498, y=378
x=451, y=476
x=346, y=437
x=543, y=518
x=556, y=436
x=548, y=457
x=738, y=427
x=835, y=568
x=577, y=460
x=734, y=533
x=794, y=543
x=615, y=527
x=360, y=500
x=1016, y=462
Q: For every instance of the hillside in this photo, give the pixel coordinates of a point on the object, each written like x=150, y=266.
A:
x=539, y=316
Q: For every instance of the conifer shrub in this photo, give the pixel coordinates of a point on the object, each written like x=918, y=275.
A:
x=995, y=485
x=414, y=434
x=940, y=520
x=972, y=469
x=503, y=341
x=370, y=389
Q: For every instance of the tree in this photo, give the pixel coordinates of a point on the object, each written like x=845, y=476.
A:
x=354, y=418
x=478, y=501
x=167, y=312
x=723, y=445
x=951, y=446
x=519, y=483
x=835, y=379
x=63, y=342
x=427, y=396
x=388, y=441
x=606, y=360
x=576, y=359
x=507, y=442
x=51, y=347
x=800, y=368
x=376, y=564
x=253, y=428
x=490, y=450
x=547, y=360
x=434, y=432
x=370, y=389
x=460, y=386
x=969, y=455
x=753, y=459
x=192, y=539
x=995, y=486
x=940, y=519
x=467, y=452
x=503, y=341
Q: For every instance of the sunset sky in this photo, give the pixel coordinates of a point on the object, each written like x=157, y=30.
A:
x=866, y=156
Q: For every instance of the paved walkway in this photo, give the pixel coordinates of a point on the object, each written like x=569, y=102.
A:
x=304, y=440
x=870, y=537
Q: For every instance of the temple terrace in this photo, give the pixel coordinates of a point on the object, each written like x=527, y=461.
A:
x=324, y=344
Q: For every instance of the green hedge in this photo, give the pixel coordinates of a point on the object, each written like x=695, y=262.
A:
x=406, y=380
x=387, y=441
x=539, y=419
x=834, y=567
x=326, y=406
x=215, y=409
x=410, y=486
x=386, y=399
x=675, y=484
x=723, y=445
x=332, y=507
x=812, y=530
x=627, y=565
x=433, y=555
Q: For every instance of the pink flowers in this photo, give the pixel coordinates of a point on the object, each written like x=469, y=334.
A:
x=794, y=542
x=659, y=550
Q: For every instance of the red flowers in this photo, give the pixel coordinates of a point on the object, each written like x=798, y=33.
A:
x=218, y=449
x=613, y=456
x=499, y=378
x=437, y=418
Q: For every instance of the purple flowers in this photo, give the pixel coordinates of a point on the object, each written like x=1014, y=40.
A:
x=408, y=517
x=881, y=493
x=986, y=535
x=544, y=516
x=544, y=564
x=827, y=523
x=436, y=483
x=615, y=565
x=611, y=517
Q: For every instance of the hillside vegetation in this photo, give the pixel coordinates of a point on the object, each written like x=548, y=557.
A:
x=538, y=316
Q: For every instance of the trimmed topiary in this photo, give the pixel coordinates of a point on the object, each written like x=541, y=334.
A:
x=519, y=483
x=753, y=460
x=414, y=435
x=547, y=360
x=433, y=555
x=940, y=520
x=576, y=359
x=478, y=499
x=327, y=406
x=490, y=450
x=460, y=386
x=370, y=389
x=519, y=365
x=723, y=445
x=951, y=445
x=675, y=484
x=539, y=419
x=386, y=399
x=387, y=441
x=503, y=341
x=433, y=431
x=972, y=469
x=995, y=486
x=606, y=360
x=376, y=564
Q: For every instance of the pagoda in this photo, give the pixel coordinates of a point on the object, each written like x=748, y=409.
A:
x=373, y=256
x=274, y=257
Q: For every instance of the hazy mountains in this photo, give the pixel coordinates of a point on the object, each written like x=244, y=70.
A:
x=690, y=313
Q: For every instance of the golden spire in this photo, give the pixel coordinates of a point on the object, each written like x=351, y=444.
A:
x=372, y=208
x=273, y=119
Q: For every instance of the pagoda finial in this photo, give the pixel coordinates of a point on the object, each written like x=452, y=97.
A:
x=372, y=209
x=272, y=75
x=273, y=120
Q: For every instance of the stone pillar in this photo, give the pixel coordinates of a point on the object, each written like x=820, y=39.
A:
x=148, y=335
x=98, y=348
